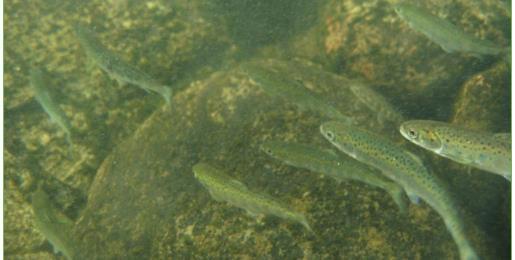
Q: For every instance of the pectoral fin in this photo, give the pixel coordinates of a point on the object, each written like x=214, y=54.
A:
x=413, y=197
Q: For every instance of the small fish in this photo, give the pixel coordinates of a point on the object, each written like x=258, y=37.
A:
x=447, y=35
x=42, y=95
x=292, y=91
x=116, y=67
x=405, y=169
x=376, y=102
x=329, y=163
x=222, y=187
x=54, y=226
x=485, y=151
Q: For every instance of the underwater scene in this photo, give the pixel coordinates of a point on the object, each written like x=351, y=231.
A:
x=257, y=129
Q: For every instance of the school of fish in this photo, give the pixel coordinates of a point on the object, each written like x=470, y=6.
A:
x=360, y=155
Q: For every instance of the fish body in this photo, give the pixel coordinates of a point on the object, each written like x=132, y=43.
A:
x=292, y=91
x=224, y=188
x=116, y=67
x=328, y=163
x=405, y=169
x=447, y=35
x=44, y=98
x=54, y=226
x=376, y=102
x=485, y=151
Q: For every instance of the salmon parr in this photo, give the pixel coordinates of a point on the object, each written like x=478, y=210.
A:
x=117, y=68
x=405, y=169
x=485, y=151
x=447, y=35
x=292, y=91
x=52, y=224
x=44, y=98
x=222, y=187
x=328, y=163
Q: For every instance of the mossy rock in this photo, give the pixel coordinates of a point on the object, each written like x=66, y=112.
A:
x=369, y=40
x=145, y=202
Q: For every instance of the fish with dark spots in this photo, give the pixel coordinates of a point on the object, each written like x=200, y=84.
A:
x=404, y=168
x=482, y=150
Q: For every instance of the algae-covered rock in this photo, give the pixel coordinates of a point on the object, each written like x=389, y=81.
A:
x=369, y=40
x=165, y=40
x=484, y=100
x=145, y=202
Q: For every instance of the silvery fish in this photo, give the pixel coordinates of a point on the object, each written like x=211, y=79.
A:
x=447, y=35
x=291, y=91
x=405, y=169
x=44, y=98
x=329, y=163
x=116, y=67
x=376, y=102
x=222, y=187
x=54, y=226
x=485, y=151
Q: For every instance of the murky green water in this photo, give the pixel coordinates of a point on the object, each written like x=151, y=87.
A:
x=124, y=188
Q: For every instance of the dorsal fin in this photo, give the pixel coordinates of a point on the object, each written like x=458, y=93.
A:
x=238, y=184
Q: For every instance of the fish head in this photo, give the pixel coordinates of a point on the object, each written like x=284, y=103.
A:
x=271, y=148
x=405, y=11
x=340, y=135
x=201, y=171
x=421, y=133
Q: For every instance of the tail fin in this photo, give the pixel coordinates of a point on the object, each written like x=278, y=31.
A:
x=468, y=254
x=166, y=92
x=304, y=222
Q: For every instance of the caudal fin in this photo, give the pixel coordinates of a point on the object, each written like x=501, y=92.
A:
x=468, y=254
x=166, y=92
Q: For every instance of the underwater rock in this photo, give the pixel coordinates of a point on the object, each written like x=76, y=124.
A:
x=145, y=202
x=368, y=40
x=483, y=102
x=166, y=39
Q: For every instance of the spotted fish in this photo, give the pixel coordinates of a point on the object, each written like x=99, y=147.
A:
x=54, y=226
x=222, y=187
x=292, y=91
x=44, y=98
x=405, y=169
x=116, y=67
x=485, y=151
x=329, y=163
x=447, y=35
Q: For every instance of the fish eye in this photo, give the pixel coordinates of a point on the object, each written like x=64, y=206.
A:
x=412, y=133
x=329, y=135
